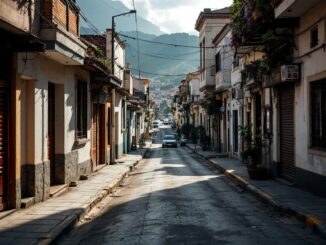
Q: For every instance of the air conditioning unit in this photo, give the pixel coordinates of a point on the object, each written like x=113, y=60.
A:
x=290, y=73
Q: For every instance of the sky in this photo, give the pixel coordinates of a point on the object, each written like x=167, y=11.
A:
x=174, y=15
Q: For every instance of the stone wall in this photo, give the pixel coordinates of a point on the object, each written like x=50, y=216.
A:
x=68, y=169
x=37, y=180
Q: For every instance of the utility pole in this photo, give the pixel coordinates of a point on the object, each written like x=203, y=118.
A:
x=113, y=119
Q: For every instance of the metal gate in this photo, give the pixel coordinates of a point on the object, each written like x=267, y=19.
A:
x=4, y=101
x=287, y=144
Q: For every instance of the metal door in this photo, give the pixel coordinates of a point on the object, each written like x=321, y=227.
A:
x=287, y=169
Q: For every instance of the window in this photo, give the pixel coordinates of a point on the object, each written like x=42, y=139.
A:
x=123, y=112
x=81, y=109
x=235, y=62
x=202, y=55
x=318, y=114
x=314, y=37
x=218, y=62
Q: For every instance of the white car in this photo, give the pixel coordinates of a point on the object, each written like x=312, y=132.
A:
x=156, y=123
x=169, y=140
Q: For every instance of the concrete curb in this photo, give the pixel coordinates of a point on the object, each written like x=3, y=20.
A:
x=313, y=222
x=72, y=219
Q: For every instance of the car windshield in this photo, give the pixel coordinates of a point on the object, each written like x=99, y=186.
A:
x=169, y=137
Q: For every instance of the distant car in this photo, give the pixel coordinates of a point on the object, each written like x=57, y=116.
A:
x=166, y=121
x=169, y=140
x=183, y=140
x=156, y=123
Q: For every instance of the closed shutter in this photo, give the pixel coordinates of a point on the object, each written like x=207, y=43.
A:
x=287, y=143
x=4, y=99
x=95, y=140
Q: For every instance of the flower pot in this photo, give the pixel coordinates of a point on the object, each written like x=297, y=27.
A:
x=257, y=173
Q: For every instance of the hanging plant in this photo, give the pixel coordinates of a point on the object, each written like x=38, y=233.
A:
x=248, y=18
x=278, y=49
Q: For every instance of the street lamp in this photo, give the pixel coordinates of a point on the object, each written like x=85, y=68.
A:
x=113, y=34
x=113, y=138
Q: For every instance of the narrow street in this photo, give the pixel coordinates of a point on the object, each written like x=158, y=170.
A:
x=175, y=197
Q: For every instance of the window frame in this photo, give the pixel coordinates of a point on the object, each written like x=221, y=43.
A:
x=316, y=87
x=314, y=40
x=81, y=132
x=218, y=62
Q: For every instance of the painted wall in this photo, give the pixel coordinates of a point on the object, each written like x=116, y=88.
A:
x=17, y=14
x=40, y=71
x=209, y=29
x=118, y=127
x=313, y=68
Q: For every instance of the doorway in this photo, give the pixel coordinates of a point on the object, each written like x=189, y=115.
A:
x=235, y=131
x=98, y=134
x=51, y=131
x=4, y=141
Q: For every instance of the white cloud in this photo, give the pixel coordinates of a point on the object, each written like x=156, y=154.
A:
x=174, y=15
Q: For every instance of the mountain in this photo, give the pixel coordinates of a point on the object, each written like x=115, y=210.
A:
x=99, y=12
x=156, y=59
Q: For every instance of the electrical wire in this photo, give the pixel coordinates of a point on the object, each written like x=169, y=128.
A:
x=168, y=44
x=164, y=75
x=133, y=49
x=137, y=37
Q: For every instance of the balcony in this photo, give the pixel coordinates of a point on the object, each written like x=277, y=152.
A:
x=252, y=74
x=292, y=8
x=207, y=84
x=60, y=32
x=222, y=80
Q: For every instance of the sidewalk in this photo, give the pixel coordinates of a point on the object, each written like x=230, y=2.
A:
x=44, y=222
x=305, y=206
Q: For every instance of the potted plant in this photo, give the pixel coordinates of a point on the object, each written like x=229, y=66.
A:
x=252, y=153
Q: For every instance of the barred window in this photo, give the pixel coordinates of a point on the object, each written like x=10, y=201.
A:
x=318, y=114
x=81, y=109
x=218, y=62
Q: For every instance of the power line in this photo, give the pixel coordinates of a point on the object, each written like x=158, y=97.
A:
x=162, y=43
x=163, y=75
x=158, y=56
x=161, y=54
x=136, y=21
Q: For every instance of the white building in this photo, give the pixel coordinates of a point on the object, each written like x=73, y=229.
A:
x=300, y=114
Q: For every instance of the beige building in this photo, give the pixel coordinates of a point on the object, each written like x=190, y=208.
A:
x=208, y=24
x=306, y=96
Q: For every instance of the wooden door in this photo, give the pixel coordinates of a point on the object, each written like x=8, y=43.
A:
x=95, y=138
x=51, y=131
x=98, y=134
x=4, y=156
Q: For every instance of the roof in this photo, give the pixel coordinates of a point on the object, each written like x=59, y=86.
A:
x=221, y=34
x=208, y=13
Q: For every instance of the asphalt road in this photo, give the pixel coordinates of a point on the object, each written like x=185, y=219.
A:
x=175, y=197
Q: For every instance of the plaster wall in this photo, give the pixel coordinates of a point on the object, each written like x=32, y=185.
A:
x=41, y=71
x=209, y=29
x=313, y=69
x=21, y=14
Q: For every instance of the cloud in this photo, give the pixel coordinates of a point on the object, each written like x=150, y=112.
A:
x=174, y=15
